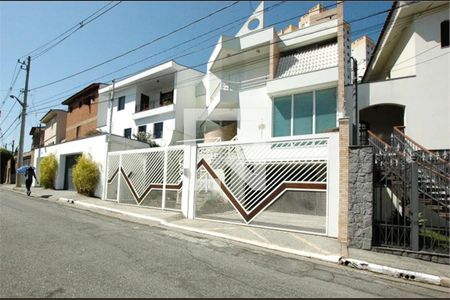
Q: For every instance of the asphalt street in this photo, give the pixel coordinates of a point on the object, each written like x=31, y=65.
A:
x=53, y=250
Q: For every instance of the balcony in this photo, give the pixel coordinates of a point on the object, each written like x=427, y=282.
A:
x=146, y=108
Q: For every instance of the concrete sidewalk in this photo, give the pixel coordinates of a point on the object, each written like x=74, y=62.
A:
x=306, y=245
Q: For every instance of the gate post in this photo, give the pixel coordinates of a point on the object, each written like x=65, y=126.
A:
x=119, y=180
x=414, y=206
x=163, y=200
x=189, y=176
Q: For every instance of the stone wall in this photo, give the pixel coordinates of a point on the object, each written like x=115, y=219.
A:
x=360, y=206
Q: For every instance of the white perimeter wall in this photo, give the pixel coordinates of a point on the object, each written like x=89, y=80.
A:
x=95, y=146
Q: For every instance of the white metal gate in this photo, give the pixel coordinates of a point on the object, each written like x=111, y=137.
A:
x=146, y=177
x=279, y=184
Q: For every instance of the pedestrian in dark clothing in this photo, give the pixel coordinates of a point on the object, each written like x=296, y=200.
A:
x=29, y=174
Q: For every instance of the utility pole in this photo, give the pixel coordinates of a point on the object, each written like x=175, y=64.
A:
x=108, y=138
x=355, y=97
x=22, y=125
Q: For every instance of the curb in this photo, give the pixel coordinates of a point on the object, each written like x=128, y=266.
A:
x=399, y=273
x=326, y=258
x=358, y=264
x=344, y=261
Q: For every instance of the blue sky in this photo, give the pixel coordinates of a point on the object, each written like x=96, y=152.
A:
x=25, y=26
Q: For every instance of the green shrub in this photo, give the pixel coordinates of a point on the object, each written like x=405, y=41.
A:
x=47, y=170
x=85, y=175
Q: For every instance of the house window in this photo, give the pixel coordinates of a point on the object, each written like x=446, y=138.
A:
x=445, y=33
x=121, y=103
x=158, y=130
x=78, y=131
x=305, y=113
x=80, y=103
x=127, y=133
x=142, y=128
x=145, y=102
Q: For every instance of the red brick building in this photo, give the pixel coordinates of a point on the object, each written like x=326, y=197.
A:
x=82, y=112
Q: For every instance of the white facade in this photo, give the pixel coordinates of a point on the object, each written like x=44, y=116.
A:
x=95, y=146
x=168, y=78
x=249, y=72
x=411, y=69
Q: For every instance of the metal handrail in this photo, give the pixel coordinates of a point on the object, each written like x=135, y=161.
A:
x=405, y=144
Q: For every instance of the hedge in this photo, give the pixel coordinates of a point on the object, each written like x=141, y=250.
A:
x=85, y=175
x=47, y=170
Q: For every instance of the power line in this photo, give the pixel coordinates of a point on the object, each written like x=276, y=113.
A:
x=81, y=26
x=12, y=83
x=165, y=50
x=9, y=111
x=9, y=127
x=239, y=53
x=76, y=27
x=137, y=48
x=198, y=77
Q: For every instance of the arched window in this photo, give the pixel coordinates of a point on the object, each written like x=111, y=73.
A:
x=445, y=33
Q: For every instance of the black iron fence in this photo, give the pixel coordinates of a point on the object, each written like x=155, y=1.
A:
x=411, y=199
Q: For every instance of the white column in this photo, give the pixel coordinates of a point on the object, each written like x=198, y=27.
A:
x=189, y=176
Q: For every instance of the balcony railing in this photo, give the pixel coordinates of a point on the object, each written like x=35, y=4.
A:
x=164, y=100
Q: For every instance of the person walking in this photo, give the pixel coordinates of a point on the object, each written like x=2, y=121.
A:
x=29, y=174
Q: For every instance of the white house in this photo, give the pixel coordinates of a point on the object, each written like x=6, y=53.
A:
x=407, y=79
x=152, y=101
x=276, y=94
x=264, y=84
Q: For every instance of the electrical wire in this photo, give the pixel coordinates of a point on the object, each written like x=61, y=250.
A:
x=137, y=48
x=76, y=27
x=355, y=20
x=80, y=27
x=239, y=53
x=163, y=51
x=9, y=127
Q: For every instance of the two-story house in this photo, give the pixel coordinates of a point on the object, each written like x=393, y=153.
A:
x=152, y=103
x=55, y=126
x=82, y=112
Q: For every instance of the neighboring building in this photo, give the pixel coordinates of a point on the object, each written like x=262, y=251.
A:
x=151, y=102
x=37, y=137
x=362, y=49
x=407, y=80
x=82, y=112
x=55, y=126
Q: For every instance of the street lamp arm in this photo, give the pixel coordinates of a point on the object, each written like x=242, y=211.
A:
x=18, y=100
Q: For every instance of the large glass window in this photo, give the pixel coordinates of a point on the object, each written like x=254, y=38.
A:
x=282, y=115
x=325, y=110
x=305, y=113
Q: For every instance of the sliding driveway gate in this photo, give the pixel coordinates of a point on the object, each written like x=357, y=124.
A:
x=150, y=177
x=282, y=184
x=272, y=184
